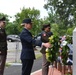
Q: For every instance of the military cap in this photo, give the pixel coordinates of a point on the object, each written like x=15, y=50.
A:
x=27, y=20
x=45, y=26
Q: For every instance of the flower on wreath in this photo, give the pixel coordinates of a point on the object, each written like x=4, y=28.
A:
x=65, y=49
x=52, y=53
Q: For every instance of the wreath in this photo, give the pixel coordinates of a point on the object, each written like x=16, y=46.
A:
x=53, y=52
x=65, y=49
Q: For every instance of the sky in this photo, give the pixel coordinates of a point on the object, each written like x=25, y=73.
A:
x=11, y=7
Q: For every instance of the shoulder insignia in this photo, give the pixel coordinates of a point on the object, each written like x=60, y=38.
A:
x=44, y=34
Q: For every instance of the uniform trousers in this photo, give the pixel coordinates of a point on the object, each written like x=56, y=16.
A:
x=45, y=65
x=3, y=55
x=27, y=66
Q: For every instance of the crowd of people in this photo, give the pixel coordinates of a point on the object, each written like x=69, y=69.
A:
x=28, y=43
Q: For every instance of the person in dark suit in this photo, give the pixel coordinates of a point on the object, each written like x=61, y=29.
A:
x=27, y=53
x=45, y=34
x=3, y=45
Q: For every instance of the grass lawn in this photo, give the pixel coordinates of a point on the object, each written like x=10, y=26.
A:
x=38, y=55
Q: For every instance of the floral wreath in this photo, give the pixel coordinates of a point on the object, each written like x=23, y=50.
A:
x=58, y=48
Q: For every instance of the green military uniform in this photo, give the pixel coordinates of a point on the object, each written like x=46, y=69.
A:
x=45, y=64
x=3, y=50
x=3, y=40
x=44, y=39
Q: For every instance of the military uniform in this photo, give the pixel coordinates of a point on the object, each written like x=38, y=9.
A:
x=3, y=50
x=27, y=53
x=45, y=63
x=44, y=39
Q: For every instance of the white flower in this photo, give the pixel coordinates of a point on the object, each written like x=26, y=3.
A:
x=64, y=43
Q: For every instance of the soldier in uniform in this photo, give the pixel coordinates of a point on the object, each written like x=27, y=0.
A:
x=3, y=45
x=27, y=53
x=45, y=34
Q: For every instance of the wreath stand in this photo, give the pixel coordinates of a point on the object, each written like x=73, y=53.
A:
x=60, y=67
x=64, y=69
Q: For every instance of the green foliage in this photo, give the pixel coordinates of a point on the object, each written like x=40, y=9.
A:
x=52, y=53
x=55, y=29
x=34, y=14
x=64, y=8
x=62, y=12
x=70, y=31
x=4, y=15
x=64, y=54
x=12, y=29
x=65, y=49
x=58, y=49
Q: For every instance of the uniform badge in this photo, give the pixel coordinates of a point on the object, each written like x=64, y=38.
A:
x=44, y=34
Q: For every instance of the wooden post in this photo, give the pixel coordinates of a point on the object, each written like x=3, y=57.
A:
x=59, y=66
x=74, y=52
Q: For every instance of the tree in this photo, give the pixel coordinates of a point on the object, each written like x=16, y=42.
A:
x=70, y=31
x=11, y=28
x=4, y=15
x=34, y=14
x=65, y=11
x=55, y=29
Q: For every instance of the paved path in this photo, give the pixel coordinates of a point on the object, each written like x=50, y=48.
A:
x=14, y=57
x=15, y=69
x=52, y=71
